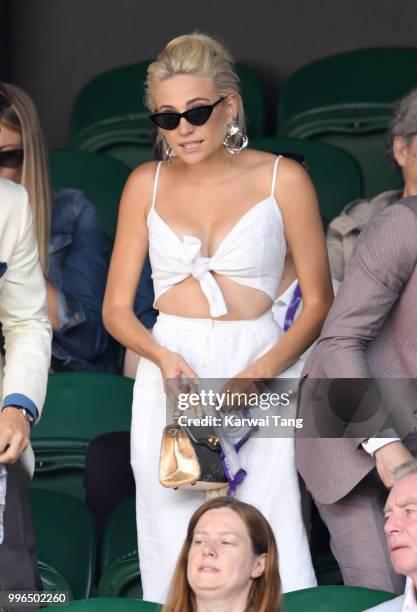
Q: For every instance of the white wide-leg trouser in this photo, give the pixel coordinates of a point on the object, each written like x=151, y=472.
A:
x=213, y=349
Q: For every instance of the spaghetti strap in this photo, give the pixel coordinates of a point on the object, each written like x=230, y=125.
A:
x=155, y=184
x=274, y=174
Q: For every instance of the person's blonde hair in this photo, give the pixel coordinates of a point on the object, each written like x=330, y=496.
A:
x=196, y=54
x=18, y=113
x=265, y=591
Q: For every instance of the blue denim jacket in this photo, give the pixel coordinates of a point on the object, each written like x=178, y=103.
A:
x=79, y=253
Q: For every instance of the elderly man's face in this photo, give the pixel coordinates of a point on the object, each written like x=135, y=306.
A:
x=405, y=152
x=401, y=526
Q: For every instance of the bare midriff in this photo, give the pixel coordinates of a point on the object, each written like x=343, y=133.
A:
x=186, y=299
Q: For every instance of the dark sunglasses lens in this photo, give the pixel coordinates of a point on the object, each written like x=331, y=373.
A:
x=199, y=115
x=166, y=121
x=12, y=158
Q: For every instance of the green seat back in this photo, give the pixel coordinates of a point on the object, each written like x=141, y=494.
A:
x=106, y=604
x=52, y=580
x=120, y=536
x=370, y=152
x=101, y=179
x=335, y=174
x=109, y=115
x=327, y=569
x=79, y=406
x=119, y=555
x=331, y=598
x=65, y=538
x=347, y=100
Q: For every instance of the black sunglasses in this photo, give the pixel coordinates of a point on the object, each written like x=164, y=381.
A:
x=169, y=120
x=11, y=158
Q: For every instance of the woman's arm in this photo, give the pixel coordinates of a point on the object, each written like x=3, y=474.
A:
x=130, y=249
x=304, y=233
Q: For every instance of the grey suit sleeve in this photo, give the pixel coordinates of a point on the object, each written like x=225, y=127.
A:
x=382, y=263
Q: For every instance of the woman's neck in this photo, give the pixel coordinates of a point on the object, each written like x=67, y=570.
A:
x=231, y=603
x=217, y=165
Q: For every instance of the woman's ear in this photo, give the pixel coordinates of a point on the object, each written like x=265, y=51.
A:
x=232, y=107
x=400, y=150
x=259, y=566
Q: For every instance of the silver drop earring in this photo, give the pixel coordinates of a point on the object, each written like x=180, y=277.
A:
x=233, y=130
x=166, y=149
x=168, y=155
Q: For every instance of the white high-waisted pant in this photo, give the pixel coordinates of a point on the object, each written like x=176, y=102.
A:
x=213, y=349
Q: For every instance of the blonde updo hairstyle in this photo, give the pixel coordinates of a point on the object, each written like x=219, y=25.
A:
x=199, y=55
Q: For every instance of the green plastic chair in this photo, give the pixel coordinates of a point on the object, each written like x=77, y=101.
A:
x=347, y=100
x=109, y=114
x=331, y=598
x=52, y=580
x=65, y=541
x=101, y=179
x=79, y=406
x=103, y=604
x=335, y=174
x=119, y=563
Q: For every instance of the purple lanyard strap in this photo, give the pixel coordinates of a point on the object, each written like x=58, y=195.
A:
x=292, y=308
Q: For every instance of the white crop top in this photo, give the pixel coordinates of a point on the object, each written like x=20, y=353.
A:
x=252, y=253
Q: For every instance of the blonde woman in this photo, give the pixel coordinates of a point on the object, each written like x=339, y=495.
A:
x=73, y=249
x=218, y=224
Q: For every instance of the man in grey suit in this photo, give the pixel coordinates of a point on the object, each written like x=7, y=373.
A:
x=401, y=534
x=370, y=333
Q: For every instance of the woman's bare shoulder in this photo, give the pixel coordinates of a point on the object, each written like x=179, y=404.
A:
x=139, y=186
x=144, y=173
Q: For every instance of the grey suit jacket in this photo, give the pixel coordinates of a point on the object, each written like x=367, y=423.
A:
x=370, y=332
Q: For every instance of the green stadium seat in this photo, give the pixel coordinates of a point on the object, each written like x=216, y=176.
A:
x=347, y=100
x=331, y=598
x=65, y=540
x=103, y=604
x=109, y=115
x=120, y=576
x=79, y=406
x=101, y=179
x=335, y=174
x=52, y=580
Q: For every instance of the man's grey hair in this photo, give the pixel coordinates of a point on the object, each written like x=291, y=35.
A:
x=403, y=122
x=405, y=469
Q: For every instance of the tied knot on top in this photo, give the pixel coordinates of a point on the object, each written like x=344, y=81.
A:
x=192, y=255
x=201, y=271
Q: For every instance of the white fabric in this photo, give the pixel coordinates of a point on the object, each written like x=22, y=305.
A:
x=23, y=311
x=214, y=349
x=252, y=253
x=403, y=603
x=373, y=444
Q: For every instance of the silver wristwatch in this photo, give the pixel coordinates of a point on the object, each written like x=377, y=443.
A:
x=28, y=415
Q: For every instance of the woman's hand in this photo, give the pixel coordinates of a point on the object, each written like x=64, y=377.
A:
x=242, y=390
x=175, y=370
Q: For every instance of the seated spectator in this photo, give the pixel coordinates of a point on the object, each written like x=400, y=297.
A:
x=401, y=533
x=229, y=561
x=74, y=251
x=344, y=230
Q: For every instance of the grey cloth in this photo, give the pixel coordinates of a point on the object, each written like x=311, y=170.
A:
x=344, y=230
x=357, y=538
x=371, y=331
x=18, y=561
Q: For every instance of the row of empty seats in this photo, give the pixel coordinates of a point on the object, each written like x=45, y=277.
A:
x=344, y=100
